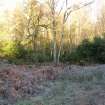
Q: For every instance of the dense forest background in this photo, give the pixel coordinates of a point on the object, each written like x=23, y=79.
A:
x=53, y=31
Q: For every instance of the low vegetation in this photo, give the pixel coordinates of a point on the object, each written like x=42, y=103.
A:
x=87, y=52
x=70, y=85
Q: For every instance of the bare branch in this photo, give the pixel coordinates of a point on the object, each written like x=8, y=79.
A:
x=75, y=8
x=61, y=9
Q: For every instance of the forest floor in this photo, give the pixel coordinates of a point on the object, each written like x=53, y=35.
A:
x=52, y=85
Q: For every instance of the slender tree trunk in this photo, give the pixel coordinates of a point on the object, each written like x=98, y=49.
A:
x=54, y=43
x=61, y=44
x=54, y=32
x=33, y=40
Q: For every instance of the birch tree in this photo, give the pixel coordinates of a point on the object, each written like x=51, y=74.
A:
x=66, y=15
x=52, y=6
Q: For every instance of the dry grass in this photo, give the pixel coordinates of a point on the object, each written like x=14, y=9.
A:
x=51, y=85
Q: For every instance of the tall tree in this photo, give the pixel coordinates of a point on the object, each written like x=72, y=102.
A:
x=52, y=6
x=66, y=15
x=18, y=24
x=34, y=15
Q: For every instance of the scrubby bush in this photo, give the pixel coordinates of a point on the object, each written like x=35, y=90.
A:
x=89, y=52
x=17, y=53
x=38, y=57
x=99, y=50
x=14, y=50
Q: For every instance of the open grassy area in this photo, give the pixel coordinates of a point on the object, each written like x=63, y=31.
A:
x=75, y=85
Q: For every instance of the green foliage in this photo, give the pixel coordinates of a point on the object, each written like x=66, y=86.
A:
x=14, y=50
x=38, y=57
x=99, y=50
x=16, y=53
x=89, y=52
